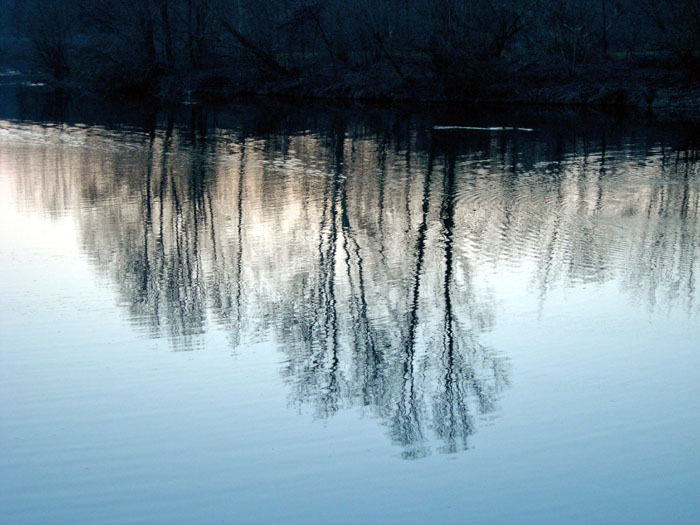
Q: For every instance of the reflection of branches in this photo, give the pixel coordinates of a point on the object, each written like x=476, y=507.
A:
x=406, y=423
x=368, y=358
x=459, y=380
x=385, y=377
x=369, y=268
x=451, y=412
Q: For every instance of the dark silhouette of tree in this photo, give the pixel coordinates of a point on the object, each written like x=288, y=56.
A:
x=453, y=48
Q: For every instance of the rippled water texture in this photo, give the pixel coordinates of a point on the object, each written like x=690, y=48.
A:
x=277, y=314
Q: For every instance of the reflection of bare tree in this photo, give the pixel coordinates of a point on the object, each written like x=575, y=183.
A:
x=367, y=257
x=364, y=335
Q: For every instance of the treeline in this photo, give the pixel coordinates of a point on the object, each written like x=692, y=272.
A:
x=450, y=46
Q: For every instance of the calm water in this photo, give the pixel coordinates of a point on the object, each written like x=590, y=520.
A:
x=284, y=314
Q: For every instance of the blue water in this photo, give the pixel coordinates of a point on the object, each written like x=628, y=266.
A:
x=333, y=315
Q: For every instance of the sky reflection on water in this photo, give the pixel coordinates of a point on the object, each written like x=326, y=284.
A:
x=430, y=280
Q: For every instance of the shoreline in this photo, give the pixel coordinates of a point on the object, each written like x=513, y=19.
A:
x=664, y=94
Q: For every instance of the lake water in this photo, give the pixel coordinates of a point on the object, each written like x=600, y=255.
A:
x=269, y=313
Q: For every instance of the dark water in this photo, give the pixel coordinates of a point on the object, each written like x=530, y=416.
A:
x=274, y=313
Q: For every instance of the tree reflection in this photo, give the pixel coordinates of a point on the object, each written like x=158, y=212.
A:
x=367, y=251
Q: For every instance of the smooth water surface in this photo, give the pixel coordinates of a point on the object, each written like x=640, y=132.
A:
x=279, y=314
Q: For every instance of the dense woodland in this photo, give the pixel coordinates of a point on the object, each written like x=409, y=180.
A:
x=441, y=49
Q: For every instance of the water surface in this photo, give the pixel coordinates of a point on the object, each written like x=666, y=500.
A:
x=289, y=314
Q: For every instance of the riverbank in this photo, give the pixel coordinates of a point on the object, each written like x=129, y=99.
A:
x=625, y=84
x=632, y=84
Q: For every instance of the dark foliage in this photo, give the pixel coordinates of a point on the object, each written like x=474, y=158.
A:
x=429, y=49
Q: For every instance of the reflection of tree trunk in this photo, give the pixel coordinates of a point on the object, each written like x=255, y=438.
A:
x=328, y=256
x=368, y=356
x=161, y=202
x=320, y=294
x=239, y=238
x=331, y=303
x=420, y=256
x=148, y=223
x=326, y=307
x=452, y=395
x=408, y=182
x=447, y=212
x=407, y=418
x=381, y=154
x=452, y=411
x=601, y=173
x=687, y=232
